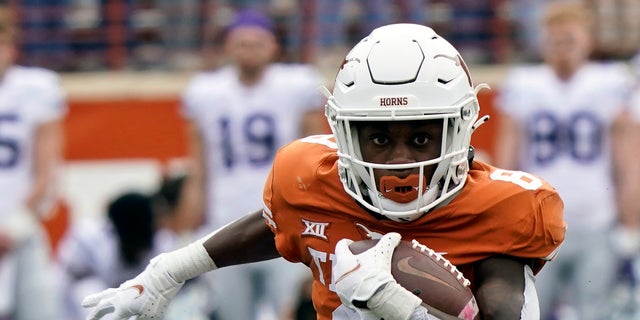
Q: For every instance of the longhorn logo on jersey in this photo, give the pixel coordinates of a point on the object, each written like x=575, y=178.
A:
x=367, y=233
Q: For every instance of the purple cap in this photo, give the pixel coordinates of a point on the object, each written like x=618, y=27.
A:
x=253, y=18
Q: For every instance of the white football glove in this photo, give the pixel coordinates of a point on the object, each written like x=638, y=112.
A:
x=143, y=297
x=366, y=277
x=147, y=296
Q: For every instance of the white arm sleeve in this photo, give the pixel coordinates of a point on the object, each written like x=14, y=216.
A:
x=531, y=307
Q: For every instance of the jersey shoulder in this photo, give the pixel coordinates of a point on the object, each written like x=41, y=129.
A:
x=208, y=80
x=486, y=175
x=526, y=212
x=609, y=68
x=294, y=70
x=523, y=84
x=295, y=75
x=206, y=90
x=491, y=186
x=308, y=157
x=37, y=91
x=304, y=173
x=31, y=77
x=526, y=74
x=612, y=74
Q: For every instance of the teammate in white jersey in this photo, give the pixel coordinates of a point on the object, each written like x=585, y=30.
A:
x=97, y=254
x=239, y=116
x=566, y=121
x=31, y=106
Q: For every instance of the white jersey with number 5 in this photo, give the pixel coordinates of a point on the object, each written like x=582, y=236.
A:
x=565, y=127
x=29, y=97
x=244, y=126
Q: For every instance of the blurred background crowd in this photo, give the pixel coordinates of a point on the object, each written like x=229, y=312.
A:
x=90, y=35
x=132, y=123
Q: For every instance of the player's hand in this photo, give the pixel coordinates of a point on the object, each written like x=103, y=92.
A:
x=17, y=226
x=143, y=297
x=358, y=277
x=366, y=278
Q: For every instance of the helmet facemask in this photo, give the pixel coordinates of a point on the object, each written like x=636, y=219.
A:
x=428, y=83
x=439, y=177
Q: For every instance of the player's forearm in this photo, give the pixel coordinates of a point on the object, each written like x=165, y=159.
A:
x=627, y=178
x=500, y=290
x=245, y=240
x=248, y=239
x=41, y=188
x=36, y=195
x=506, y=153
x=47, y=155
x=629, y=209
x=190, y=213
x=192, y=204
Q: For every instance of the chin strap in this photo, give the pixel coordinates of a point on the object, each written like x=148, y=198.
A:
x=471, y=154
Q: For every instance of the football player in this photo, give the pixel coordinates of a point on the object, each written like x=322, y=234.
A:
x=569, y=121
x=98, y=254
x=238, y=116
x=398, y=166
x=32, y=105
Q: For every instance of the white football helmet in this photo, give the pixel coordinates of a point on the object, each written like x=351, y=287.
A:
x=403, y=72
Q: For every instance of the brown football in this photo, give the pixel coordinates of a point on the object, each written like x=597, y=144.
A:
x=429, y=276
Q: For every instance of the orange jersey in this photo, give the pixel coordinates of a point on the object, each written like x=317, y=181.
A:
x=498, y=212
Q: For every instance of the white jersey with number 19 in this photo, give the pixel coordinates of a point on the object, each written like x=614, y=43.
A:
x=243, y=127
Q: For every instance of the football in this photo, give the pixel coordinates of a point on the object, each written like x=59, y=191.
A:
x=430, y=276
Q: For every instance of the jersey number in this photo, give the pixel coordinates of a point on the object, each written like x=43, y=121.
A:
x=258, y=136
x=580, y=137
x=523, y=179
x=9, y=148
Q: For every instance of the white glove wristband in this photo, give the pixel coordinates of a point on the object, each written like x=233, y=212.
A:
x=421, y=313
x=394, y=302
x=147, y=296
x=187, y=262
